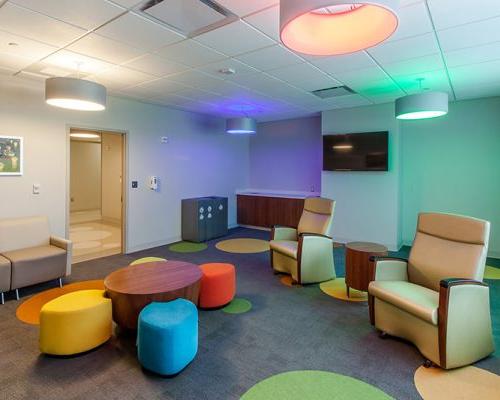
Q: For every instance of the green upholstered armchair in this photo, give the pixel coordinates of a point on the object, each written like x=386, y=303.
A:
x=306, y=253
x=437, y=299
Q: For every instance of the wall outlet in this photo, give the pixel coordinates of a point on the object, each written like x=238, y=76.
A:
x=164, y=139
x=134, y=184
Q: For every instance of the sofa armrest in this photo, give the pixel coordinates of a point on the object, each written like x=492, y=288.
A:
x=280, y=232
x=314, y=258
x=389, y=269
x=464, y=322
x=66, y=245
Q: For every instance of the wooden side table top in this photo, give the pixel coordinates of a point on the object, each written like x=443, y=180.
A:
x=152, y=278
x=366, y=247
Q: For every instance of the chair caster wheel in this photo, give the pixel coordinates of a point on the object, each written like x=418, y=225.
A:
x=382, y=335
x=428, y=364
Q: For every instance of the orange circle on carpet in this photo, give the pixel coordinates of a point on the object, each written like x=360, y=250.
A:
x=29, y=310
x=288, y=281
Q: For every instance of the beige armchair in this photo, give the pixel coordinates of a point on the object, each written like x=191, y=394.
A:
x=30, y=254
x=306, y=253
x=437, y=299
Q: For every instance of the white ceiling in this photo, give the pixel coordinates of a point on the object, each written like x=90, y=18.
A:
x=454, y=45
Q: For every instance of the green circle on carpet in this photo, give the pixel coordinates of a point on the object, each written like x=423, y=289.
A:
x=313, y=385
x=187, y=247
x=243, y=245
x=238, y=306
x=491, y=273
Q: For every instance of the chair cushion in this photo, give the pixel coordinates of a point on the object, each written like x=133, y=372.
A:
x=34, y=253
x=286, y=247
x=414, y=299
x=4, y=274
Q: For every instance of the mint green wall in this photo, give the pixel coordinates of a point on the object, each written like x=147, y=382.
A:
x=452, y=164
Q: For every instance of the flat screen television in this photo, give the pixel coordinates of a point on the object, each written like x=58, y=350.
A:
x=356, y=152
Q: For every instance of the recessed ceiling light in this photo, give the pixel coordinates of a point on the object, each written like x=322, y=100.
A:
x=75, y=94
x=333, y=27
x=13, y=44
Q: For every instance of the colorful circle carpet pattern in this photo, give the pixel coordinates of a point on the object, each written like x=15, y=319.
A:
x=461, y=383
x=29, y=310
x=238, y=306
x=187, y=247
x=336, y=288
x=313, y=385
x=146, y=260
x=243, y=246
x=491, y=273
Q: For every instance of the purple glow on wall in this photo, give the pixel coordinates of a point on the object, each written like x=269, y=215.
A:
x=287, y=155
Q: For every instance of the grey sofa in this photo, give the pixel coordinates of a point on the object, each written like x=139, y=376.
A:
x=30, y=255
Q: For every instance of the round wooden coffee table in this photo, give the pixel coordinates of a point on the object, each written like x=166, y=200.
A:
x=358, y=267
x=134, y=287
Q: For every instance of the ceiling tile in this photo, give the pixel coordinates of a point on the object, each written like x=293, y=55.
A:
x=155, y=65
x=139, y=32
x=239, y=67
x=196, y=79
x=121, y=77
x=405, y=49
x=447, y=13
x=473, y=91
x=22, y=47
x=75, y=62
x=267, y=21
x=23, y=22
x=86, y=14
x=472, y=55
x=343, y=63
x=270, y=58
x=106, y=49
x=235, y=38
x=475, y=34
x=305, y=76
x=413, y=20
x=476, y=74
x=245, y=7
x=433, y=80
x=190, y=53
x=360, y=78
x=415, y=65
x=13, y=62
x=128, y=3
x=158, y=87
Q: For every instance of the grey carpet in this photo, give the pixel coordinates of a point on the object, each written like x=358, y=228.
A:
x=287, y=329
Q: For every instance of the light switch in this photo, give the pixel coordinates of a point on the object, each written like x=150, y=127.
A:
x=164, y=139
x=36, y=188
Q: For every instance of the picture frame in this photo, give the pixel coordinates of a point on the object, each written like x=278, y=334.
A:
x=11, y=155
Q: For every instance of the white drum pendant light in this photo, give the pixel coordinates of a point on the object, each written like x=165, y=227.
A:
x=422, y=105
x=75, y=94
x=241, y=125
x=333, y=27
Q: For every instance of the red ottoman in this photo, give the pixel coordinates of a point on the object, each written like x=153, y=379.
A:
x=218, y=285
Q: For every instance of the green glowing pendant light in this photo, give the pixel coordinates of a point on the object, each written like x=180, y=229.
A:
x=422, y=105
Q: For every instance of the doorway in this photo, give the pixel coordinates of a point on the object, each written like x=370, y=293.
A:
x=96, y=217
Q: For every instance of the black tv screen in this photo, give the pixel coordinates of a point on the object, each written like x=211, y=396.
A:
x=356, y=152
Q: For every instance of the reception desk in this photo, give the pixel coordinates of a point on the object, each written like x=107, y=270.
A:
x=267, y=209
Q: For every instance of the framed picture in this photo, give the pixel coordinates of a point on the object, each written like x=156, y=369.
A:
x=11, y=155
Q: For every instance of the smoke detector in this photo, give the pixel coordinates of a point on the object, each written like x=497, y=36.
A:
x=227, y=71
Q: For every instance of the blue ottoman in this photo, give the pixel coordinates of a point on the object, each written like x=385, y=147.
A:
x=167, y=337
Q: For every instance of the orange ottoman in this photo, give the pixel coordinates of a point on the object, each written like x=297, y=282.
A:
x=218, y=285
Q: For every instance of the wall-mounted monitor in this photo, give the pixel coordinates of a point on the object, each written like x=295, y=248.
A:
x=356, y=152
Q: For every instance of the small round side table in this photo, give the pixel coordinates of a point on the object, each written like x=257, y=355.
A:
x=358, y=267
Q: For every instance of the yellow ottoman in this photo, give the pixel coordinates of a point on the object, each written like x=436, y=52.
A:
x=75, y=322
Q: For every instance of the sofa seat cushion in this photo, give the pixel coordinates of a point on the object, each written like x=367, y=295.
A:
x=36, y=264
x=414, y=299
x=4, y=274
x=286, y=247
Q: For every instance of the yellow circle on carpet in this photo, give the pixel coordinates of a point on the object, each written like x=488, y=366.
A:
x=491, y=273
x=336, y=288
x=29, y=310
x=146, y=260
x=243, y=246
x=461, y=383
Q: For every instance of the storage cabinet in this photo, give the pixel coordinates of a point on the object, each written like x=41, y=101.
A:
x=204, y=218
x=266, y=211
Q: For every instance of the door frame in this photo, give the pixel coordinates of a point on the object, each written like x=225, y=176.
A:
x=125, y=172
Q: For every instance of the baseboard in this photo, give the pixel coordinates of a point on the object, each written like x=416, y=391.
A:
x=260, y=228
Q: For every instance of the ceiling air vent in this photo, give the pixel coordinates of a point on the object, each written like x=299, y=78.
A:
x=189, y=17
x=336, y=91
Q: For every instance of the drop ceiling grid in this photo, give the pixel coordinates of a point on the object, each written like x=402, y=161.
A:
x=422, y=38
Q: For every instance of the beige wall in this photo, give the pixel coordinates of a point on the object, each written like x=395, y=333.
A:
x=111, y=177
x=85, y=188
